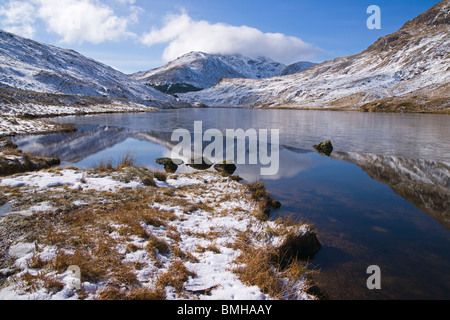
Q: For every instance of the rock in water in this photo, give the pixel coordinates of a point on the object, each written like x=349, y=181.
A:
x=325, y=148
x=225, y=168
x=200, y=163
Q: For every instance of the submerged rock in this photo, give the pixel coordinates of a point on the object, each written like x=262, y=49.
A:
x=325, y=148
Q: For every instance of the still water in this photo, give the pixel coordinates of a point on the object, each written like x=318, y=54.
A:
x=381, y=198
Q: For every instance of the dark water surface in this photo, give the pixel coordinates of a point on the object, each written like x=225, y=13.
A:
x=382, y=198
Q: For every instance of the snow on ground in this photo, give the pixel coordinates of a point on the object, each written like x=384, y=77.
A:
x=73, y=179
x=200, y=219
x=12, y=125
x=15, y=119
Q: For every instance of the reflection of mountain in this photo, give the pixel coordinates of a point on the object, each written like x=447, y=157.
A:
x=91, y=139
x=424, y=183
x=76, y=146
x=88, y=140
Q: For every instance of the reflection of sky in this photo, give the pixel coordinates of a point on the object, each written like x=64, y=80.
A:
x=406, y=135
x=144, y=153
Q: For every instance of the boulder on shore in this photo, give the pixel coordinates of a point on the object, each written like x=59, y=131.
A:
x=225, y=168
x=301, y=243
x=170, y=165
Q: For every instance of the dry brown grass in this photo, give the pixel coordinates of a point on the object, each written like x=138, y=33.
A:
x=104, y=166
x=142, y=293
x=156, y=245
x=160, y=175
x=32, y=283
x=268, y=268
x=127, y=160
x=261, y=196
x=175, y=277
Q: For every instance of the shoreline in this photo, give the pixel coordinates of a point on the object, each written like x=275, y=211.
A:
x=138, y=234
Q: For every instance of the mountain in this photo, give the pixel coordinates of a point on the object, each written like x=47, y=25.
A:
x=297, y=67
x=408, y=70
x=32, y=66
x=197, y=70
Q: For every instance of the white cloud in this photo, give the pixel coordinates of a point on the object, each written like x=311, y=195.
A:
x=75, y=21
x=184, y=35
x=84, y=21
x=18, y=17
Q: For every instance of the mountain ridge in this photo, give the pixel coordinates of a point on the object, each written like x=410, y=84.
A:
x=195, y=71
x=33, y=66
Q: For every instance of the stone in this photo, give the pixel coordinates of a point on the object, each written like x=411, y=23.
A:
x=301, y=243
x=200, y=163
x=225, y=168
x=170, y=165
x=325, y=148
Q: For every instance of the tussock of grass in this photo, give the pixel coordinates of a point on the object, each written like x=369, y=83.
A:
x=145, y=294
x=260, y=194
x=175, y=277
x=106, y=165
x=156, y=245
x=160, y=175
x=127, y=160
x=32, y=283
x=260, y=266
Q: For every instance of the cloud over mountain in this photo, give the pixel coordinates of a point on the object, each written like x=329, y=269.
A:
x=184, y=34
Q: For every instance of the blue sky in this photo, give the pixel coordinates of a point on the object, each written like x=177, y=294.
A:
x=136, y=35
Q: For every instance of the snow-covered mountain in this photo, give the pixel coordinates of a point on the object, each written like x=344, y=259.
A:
x=197, y=70
x=29, y=65
x=297, y=67
x=408, y=70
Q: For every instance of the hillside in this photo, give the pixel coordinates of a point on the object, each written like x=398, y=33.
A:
x=405, y=71
x=32, y=66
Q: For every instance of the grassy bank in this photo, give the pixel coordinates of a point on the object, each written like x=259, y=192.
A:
x=136, y=234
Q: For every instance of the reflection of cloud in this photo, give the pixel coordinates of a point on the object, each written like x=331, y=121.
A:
x=90, y=141
x=291, y=164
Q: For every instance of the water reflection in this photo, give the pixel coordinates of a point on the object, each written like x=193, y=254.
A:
x=372, y=201
x=425, y=183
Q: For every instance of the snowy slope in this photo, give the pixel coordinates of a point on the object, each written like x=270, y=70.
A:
x=414, y=58
x=297, y=67
x=202, y=70
x=33, y=66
